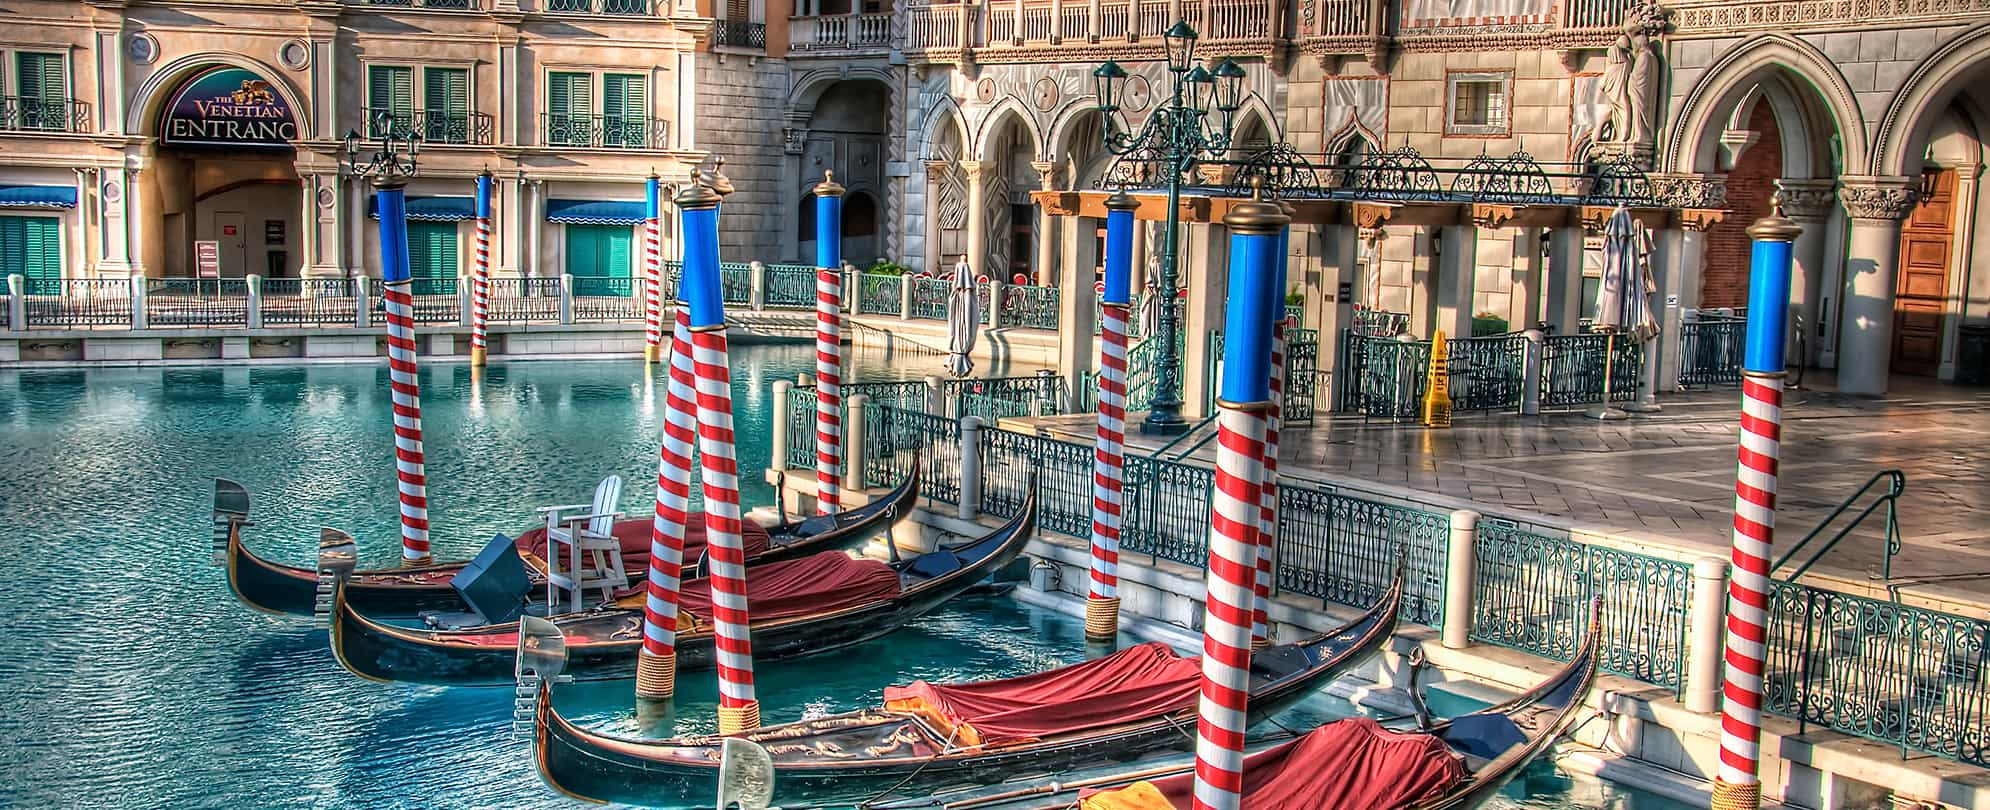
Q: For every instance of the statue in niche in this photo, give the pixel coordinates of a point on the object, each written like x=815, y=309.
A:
x=1630, y=85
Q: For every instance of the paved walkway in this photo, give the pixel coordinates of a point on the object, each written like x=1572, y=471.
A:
x=1668, y=477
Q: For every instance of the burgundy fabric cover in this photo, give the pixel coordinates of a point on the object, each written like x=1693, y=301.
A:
x=826, y=581
x=1352, y=764
x=634, y=533
x=1135, y=683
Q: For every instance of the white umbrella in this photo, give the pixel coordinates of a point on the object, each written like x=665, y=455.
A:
x=963, y=322
x=1623, y=302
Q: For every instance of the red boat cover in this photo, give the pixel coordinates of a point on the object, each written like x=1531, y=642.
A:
x=826, y=581
x=1352, y=764
x=1133, y=684
x=635, y=536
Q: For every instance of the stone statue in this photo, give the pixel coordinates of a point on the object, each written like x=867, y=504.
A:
x=1630, y=84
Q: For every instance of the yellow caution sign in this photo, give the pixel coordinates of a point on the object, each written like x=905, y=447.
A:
x=1437, y=393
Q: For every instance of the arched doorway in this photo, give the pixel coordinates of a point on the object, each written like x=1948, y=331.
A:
x=225, y=171
x=847, y=135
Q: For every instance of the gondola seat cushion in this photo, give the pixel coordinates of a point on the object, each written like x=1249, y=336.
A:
x=934, y=564
x=1352, y=764
x=634, y=536
x=820, y=583
x=1133, y=684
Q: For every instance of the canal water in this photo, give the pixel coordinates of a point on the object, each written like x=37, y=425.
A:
x=132, y=678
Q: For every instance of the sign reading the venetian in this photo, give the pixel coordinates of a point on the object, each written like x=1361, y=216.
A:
x=228, y=106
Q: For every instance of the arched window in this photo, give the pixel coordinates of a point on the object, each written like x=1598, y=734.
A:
x=805, y=220
x=860, y=215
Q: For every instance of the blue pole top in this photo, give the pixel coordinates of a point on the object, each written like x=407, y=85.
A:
x=393, y=204
x=1254, y=237
x=484, y=195
x=1279, y=272
x=1119, y=249
x=828, y=222
x=698, y=286
x=652, y=209
x=1769, y=265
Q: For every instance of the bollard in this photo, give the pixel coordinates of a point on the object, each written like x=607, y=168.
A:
x=1703, y=658
x=362, y=301
x=255, y=311
x=853, y=442
x=1530, y=374
x=756, y=285
x=136, y=286
x=905, y=297
x=970, y=467
x=805, y=380
x=936, y=396
x=17, y=302
x=1461, y=563
x=464, y=311
x=994, y=303
x=777, y=458
x=566, y=298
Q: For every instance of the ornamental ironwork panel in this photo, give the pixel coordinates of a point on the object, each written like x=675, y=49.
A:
x=1487, y=373
x=1302, y=360
x=1532, y=591
x=1345, y=550
x=308, y=301
x=1615, y=180
x=878, y=294
x=791, y=286
x=1398, y=174
x=1060, y=473
x=1710, y=351
x=1394, y=375
x=893, y=435
x=1515, y=179
x=78, y=302
x=172, y=302
x=1166, y=513
x=929, y=298
x=1284, y=172
x=801, y=427
x=736, y=283
x=606, y=299
x=1030, y=307
x=1572, y=370
x=520, y=299
x=1032, y=395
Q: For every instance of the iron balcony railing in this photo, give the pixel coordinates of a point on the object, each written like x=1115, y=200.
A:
x=606, y=131
x=740, y=34
x=636, y=8
x=477, y=129
x=841, y=32
x=34, y=114
x=449, y=5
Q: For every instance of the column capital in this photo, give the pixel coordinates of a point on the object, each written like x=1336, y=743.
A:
x=976, y=170
x=1690, y=190
x=1486, y=215
x=937, y=169
x=1046, y=173
x=1807, y=200
x=1885, y=199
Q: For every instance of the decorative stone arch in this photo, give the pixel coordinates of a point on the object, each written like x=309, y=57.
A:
x=142, y=116
x=1064, y=122
x=1692, y=144
x=984, y=136
x=808, y=89
x=1926, y=92
x=1254, y=106
x=942, y=113
x=1798, y=129
x=1341, y=139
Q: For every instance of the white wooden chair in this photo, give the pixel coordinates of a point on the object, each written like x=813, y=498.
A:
x=586, y=535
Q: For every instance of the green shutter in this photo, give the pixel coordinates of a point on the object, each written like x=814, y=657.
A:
x=595, y=252
x=569, y=103
x=432, y=253
x=31, y=246
x=390, y=90
x=625, y=109
x=41, y=76
x=446, y=103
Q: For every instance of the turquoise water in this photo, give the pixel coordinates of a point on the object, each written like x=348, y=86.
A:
x=132, y=678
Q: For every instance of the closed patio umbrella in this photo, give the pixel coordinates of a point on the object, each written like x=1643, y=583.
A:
x=1623, y=300
x=963, y=322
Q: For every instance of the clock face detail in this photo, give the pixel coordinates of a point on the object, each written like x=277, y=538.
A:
x=1137, y=95
x=984, y=90
x=1045, y=94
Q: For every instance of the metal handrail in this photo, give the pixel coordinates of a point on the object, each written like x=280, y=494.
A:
x=1896, y=484
x=1159, y=451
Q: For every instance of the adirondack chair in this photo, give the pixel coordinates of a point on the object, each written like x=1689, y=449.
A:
x=584, y=535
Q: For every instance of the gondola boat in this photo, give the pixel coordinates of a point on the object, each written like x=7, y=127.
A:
x=273, y=587
x=1451, y=765
x=1138, y=700
x=817, y=603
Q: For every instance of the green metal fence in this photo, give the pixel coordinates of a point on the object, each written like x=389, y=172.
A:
x=999, y=397
x=1344, y=549
x=1531, y=592
x=878, y=294
x=1710, y=349
x=1166, y=511
x=1029, y=307
x=790, y=286
x=893, y=435
x=1487, y=373
x=1060, y=473
x=736, y=281
x=1885, y=671
x=929, y=298
x=1572, y=370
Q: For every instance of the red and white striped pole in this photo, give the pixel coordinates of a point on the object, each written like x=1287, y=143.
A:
x=1268, y=492
x=828, y=345
x=1108, y=452
x=652, y=275
x=739, y=710
x=1738, y=784
x=480, y=275
x=411, y=479
x=1235, y=508
x=656, y=667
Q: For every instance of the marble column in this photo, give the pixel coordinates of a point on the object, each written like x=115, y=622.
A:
x=1205, y=271
x=936, y=173
x=1565, y=278
x=1529, y=270
x=1680, y=262
x=138, y=191
x=1960, y=261
x=113, y=186
x=1340, y=249
x=1457, y=266
x=1809, y=204
x=1076, y=304
x=977, y=215
x=1046, y=230
x=353, y=220
x=1876, y=206
x=533, y=226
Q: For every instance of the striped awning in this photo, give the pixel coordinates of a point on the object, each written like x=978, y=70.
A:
x=431, y=209
x=38, y=196
x=595, y=212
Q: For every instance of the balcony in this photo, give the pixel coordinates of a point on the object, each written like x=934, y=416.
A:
x=606, y=132
x=1020, y=29
x=736, y=34
x=440, y=5
x=841, y=33
x=626, y=8
x=32, y=114
x=469, y=129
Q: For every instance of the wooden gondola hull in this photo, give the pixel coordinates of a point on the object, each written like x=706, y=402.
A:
x=488, y=657
x=399, y=593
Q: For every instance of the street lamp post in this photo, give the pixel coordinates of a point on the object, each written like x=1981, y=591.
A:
x=1178, y=135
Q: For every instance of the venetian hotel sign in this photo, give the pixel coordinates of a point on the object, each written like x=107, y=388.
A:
x=228, y=106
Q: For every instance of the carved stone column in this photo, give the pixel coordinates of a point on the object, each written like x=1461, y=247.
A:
x=936, y=175
x=977, y=216
x=1046, y=228
x=1809, y=203
x=1876, y=206
x=1963, y=214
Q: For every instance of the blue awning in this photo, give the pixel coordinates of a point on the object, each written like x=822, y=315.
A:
x=431, y=209
x=595, y=212
x=38, y=196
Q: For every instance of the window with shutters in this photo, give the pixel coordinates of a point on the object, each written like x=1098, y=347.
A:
x=1477, y=103
x=446, y=105
x=570, y=109
x=624, y=110
x=32, y=246
x=432, y=255
x=390, y=100
x=600, y=257
x=41, y=90
x=608, y=110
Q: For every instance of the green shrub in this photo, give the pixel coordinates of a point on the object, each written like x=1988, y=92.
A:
x=885, y=267
x=1486, y=323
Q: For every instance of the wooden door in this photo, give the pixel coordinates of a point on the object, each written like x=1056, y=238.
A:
x=1925, y=241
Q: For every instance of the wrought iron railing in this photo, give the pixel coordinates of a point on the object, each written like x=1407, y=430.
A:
x=452, y=5
x=740, y=34
x=1344, y=549
x=1060, y=473
x=1143, y=363
x=626, y=7
x=599, y=299
x=929, y=298
x=606, y=131
x=1166, y=510
x=1008, y=396
x=1380, y=323
x=78, y=302
x=1532, y=591
x=178, y=302
x=1487, y=373
x=736, y=283
x=791, y=286
x=433, y=126
x=878, y=294
x=520, y=299
x=1136, y=322
x=1888, y=498
x=1572, y=370
x=894, y=434
x=1710, y=349
x=308, y=302
x=1029, y=307
x=36, y=114
x=434, y=300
